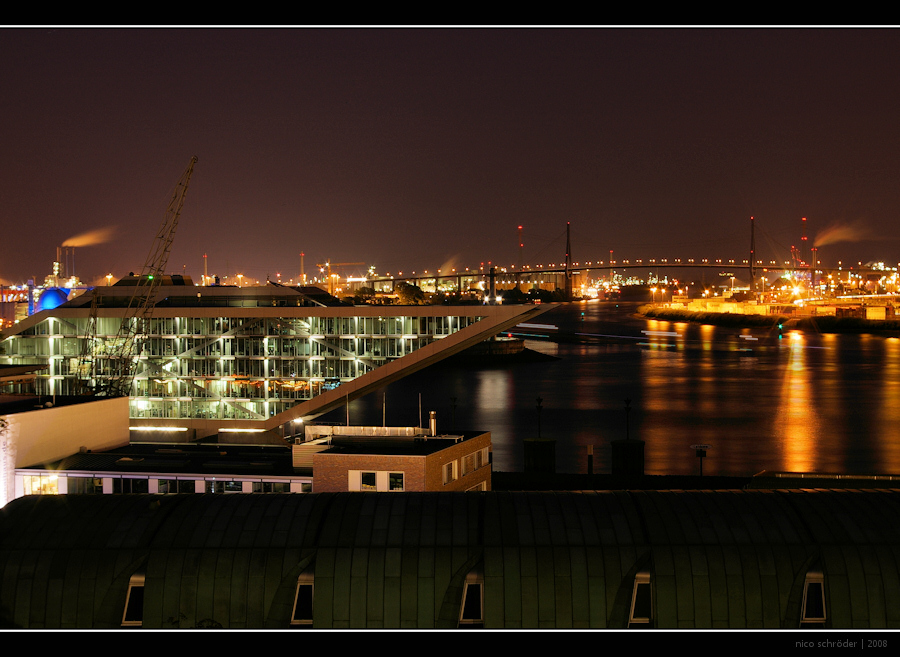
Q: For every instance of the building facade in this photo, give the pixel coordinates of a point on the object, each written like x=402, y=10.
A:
x=413, y=463
x=242, y=358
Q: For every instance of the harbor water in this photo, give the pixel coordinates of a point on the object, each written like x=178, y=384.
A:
x=799, y=402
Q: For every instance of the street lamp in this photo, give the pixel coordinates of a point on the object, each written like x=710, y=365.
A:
x=240, y=280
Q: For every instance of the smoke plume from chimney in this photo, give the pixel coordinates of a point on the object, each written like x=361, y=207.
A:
x=98, y=236
x=843, y=232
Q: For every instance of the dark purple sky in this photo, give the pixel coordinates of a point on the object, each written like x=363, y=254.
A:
x=409, y=149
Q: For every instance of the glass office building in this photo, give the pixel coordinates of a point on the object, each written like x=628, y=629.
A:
x=263, y=355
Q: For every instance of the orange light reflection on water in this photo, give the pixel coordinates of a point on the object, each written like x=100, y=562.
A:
x=889, y=408
x=797, y=422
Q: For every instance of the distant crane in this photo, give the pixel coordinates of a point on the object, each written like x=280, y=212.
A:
x=136, y=320
x=329, y=265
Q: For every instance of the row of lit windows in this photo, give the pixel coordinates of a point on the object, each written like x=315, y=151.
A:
x=264, y=327
x=335, y=346
x=199, y=409
x=49, y=484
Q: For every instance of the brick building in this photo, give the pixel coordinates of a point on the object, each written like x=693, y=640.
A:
x=376, y=459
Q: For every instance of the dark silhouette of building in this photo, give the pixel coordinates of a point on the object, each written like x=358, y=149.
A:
x=666, y=559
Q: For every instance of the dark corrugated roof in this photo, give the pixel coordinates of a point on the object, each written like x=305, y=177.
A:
x=717, y=558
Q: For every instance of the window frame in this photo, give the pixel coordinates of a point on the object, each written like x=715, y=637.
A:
x=136, y=582
x=368, y=487
x=306, y=579
x=452, y=472
x=474, y=579
x=817, y=579
x=641, y=579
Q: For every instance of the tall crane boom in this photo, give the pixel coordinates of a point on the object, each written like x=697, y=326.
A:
x=140, y=307
x=158, y=257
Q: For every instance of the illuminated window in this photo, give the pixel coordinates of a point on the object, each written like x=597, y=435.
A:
x=471, y=612
x=133, y=616
x=368, y=481
x=395, y=481
x=641, y=614
x=813, y=611
x=40, y=484
x=302, y=613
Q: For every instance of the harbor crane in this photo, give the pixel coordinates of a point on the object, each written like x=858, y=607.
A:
x=135, y=323
x=329, y=265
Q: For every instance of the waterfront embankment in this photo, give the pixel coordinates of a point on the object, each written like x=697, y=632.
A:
x=815, y=323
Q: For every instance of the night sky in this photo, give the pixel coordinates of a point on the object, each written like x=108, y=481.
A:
x=413, y=149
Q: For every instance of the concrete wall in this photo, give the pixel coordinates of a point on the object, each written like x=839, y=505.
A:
x=50, y=434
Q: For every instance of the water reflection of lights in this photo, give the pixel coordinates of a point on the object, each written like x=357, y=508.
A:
x=493, y=395
x=889, y=408
x=707, y=331
x=797, y=421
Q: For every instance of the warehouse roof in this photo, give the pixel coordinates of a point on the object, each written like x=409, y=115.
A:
x=566, y=559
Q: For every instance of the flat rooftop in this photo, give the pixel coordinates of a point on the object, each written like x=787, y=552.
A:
x=181, y=458
x=396, y=445
x=10, y=404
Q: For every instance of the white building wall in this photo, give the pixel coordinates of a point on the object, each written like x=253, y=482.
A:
x=50, y=434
